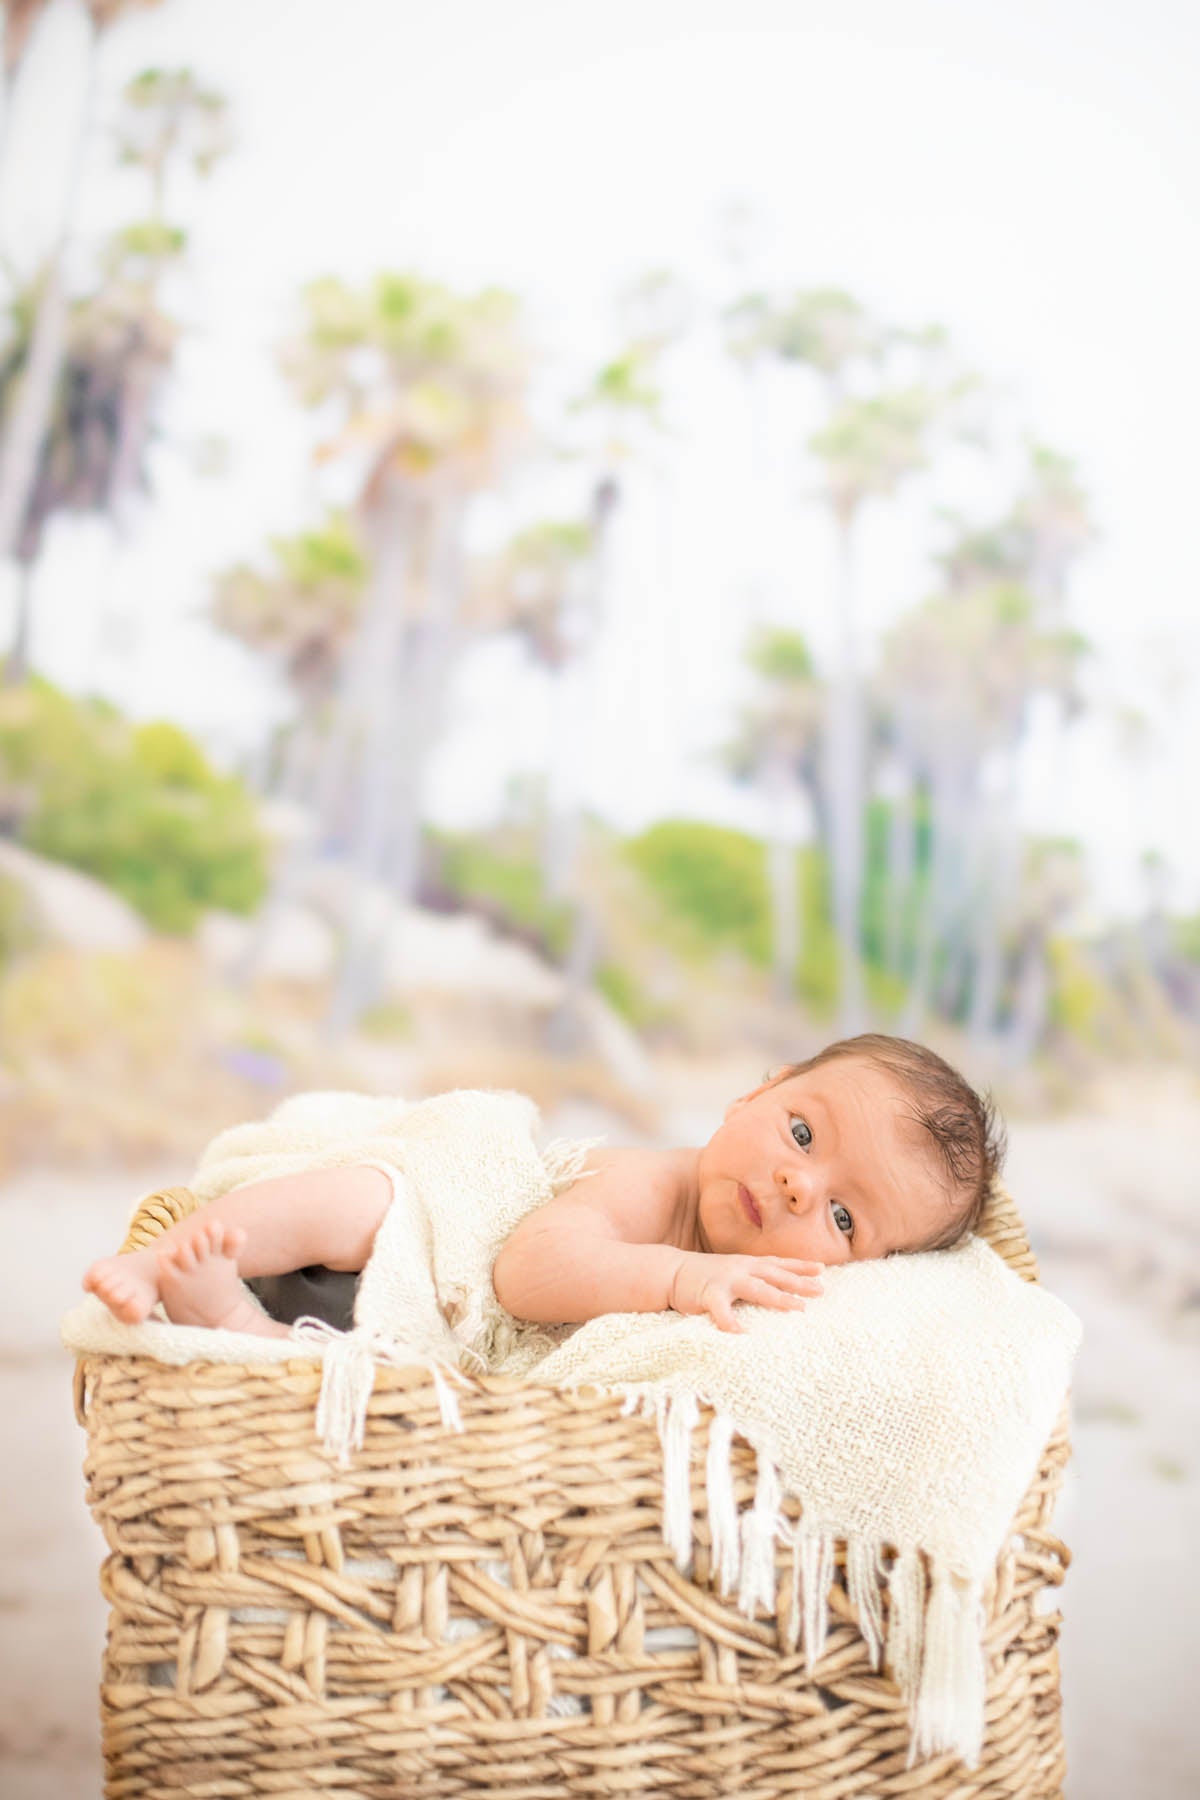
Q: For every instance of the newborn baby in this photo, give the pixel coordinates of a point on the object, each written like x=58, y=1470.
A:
x=873, y=1146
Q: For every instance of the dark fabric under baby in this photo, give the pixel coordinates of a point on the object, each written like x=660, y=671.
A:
x=316, y=1293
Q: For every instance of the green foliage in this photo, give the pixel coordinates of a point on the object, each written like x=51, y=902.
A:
x=713, y=880
x=779, y=655
x=169, y=755
x=141, y=809
x=18, y=928
x=713, y=883
x=503, y=878
x=1186, y=936
x=817, y=970
x=1077, y=998
x=334, y=553
x=622, y=386
x=558, y=540
x=386, y=1022
x=878, y=901
x=627, y=996
x=148, y=241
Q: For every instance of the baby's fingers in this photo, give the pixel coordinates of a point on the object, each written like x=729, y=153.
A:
x=795, y=1266
x=762, y=1293
x=719, y=1308
x=792, y=1284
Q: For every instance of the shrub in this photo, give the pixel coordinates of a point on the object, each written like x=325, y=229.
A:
x=140, y=809
x=711, y=879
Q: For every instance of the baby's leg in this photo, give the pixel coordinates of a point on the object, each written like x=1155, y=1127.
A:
x=199, y=1284
x=327, y=1216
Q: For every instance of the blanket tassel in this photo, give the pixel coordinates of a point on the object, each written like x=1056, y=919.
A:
x=676, y=1422
x=722, y=1506
x=348, y=1379
x=816, y=1559
x=950, y=1699
x=864, y=1576
x=760, y=1528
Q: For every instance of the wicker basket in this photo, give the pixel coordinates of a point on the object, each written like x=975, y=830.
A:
x=487, y=1612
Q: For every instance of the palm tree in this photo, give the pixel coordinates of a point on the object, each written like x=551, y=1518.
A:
x=1054, y=883
x=19, y=18
x=778, y=746
x=301, y=614
x=868, y=445
x=1022, y=562
x=539, y=589
x=170, y=118
x=428, y=388
x=1053, y=517
x=962, y=672
x=28, y=420
x=115, y=348
x=623, y=399
x=866, y=449
x=118, y=347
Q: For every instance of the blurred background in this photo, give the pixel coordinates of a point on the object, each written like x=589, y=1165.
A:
x=595, y=549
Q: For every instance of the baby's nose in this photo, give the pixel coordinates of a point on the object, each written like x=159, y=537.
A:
x=797, y=1186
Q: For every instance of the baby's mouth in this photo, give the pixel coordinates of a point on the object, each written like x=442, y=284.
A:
x=749, y=1205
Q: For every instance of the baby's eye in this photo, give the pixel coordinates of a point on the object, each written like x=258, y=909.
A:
x=842, y=1219
x=801, y=1133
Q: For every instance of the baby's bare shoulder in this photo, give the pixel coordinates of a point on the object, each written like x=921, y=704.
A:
x=635, y=1193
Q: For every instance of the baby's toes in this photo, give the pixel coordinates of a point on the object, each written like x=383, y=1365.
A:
x=178, y=1260
x=121, y=1298
x=231, y=1239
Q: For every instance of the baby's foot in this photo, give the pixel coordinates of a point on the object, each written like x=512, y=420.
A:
x=199, y=1282
x=128, y=1285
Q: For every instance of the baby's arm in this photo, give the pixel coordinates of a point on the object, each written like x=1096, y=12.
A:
x=597, y=1247
x=604, y=1245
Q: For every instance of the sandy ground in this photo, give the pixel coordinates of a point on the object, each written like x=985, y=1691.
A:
x=1113, y=1203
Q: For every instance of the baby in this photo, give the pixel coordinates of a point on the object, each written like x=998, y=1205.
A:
x=873, y=1146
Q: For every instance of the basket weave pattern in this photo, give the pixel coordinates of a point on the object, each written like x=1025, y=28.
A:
x=492, y=1611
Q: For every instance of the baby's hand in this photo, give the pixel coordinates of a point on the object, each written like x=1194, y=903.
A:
x=710, y=1284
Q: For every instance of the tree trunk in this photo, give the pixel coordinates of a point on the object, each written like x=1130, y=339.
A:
x=845, y=774
x=994, y=892
x=950, y=900
x=782, y=886
x=16, y=666
x=901, y=866
x=564, y=1028
x=931, y=916
x=26, y=427
x=407, y=720
x=336, y=767
x=1031, y=1001
x=377, y=703
x=420, y=718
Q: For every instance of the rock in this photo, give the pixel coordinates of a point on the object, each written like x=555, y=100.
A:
x=460, y=954
x=71, y=908
x=332, y=890
x=300, y=945
x=617, y=1045
x=284, y=822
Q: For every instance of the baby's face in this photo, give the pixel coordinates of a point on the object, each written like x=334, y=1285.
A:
x=826, y=1167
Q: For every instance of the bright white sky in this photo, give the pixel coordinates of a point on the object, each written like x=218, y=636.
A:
x=1028, y=175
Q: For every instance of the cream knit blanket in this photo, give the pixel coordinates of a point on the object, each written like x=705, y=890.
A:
x=906, y=1409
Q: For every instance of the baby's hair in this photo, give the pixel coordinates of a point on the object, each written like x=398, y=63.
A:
x=965, y=1127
